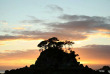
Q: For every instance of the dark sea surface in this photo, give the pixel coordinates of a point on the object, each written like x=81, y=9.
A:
x=100, y=71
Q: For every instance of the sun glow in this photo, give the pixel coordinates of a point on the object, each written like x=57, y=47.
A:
x=94, y=62
x=19, y=62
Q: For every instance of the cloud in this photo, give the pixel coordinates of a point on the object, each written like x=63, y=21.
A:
x=84, y=23
x=19, y=28
x=11, y=59
x=19, y=54
x=3, y=22
x=73, y=27
x=83, y=17
x=10, y=37
x=55, y=8
x=88, y=52
x=32, y=20
x=45, y=35
x=1, y=44
x=36, y=35
x=98, y=54
x=91, y=54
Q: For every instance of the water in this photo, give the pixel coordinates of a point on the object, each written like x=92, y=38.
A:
x=103, y=71
x=2, y=71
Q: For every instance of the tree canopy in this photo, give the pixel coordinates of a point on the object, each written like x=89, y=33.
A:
x=54, y=43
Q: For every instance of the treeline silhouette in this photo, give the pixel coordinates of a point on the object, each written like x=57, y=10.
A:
x=54, y=60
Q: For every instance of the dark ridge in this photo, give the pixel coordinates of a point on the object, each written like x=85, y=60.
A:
x=105, y=68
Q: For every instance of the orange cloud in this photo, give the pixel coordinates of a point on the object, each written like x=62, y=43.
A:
x=104, y=30
x=90, y=55
x=17, y=54
x=18, y=58
x=106, y=35
x=94, y=54
x=2, y=44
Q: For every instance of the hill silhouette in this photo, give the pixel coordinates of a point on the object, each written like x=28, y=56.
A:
x=105, y=68
x=55, y=60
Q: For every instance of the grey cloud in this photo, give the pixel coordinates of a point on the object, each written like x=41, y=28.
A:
x=97, y=46
x=3, y=22
x=58, y=33
x=43, y=35
x=83, y=23
x=32, y=20
x=83, y=17
x=73, y=17
x=7, y=37
x=77, y=27
x=10, y=37
x=55, y=8
x=33, y=17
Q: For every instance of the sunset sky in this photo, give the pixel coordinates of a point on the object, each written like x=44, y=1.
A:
x=24, y=23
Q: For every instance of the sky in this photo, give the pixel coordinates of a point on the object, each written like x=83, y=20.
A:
x=24, y=23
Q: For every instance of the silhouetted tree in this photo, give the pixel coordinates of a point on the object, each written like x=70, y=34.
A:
x=54, y=43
